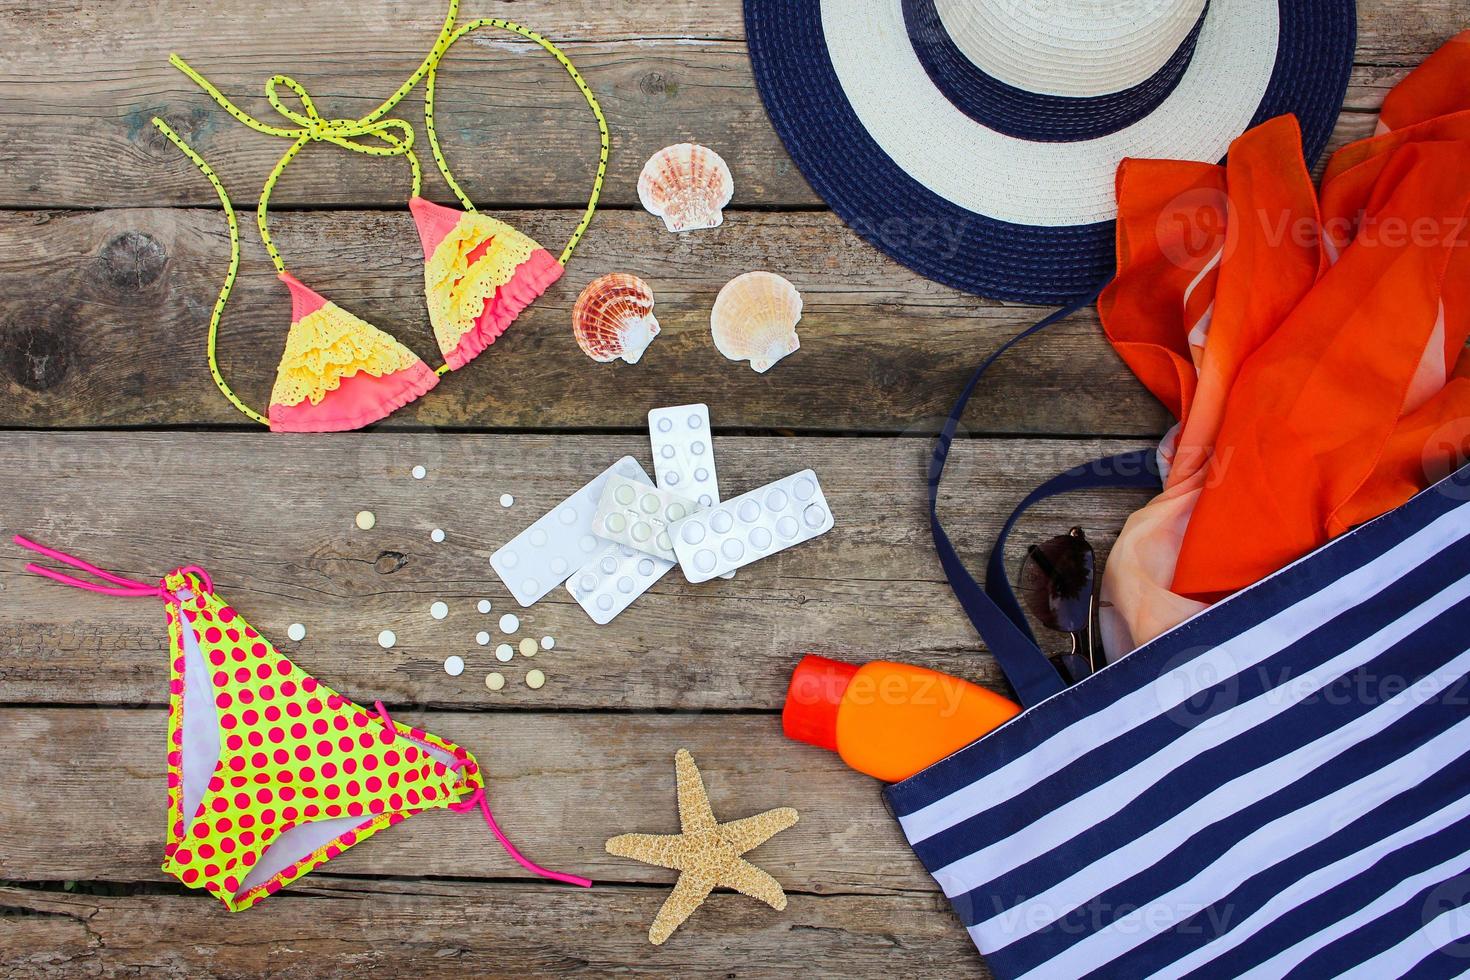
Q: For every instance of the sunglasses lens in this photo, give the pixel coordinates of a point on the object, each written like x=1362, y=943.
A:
x=1073, y=667
x=1057, y=582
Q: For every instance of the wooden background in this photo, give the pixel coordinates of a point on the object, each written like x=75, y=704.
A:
x=115, y=445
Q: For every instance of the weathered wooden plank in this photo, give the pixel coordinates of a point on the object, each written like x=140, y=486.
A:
x=104, y=317
x=561, y=784
x=340, y=927
x=272, y=520
x=78, y=134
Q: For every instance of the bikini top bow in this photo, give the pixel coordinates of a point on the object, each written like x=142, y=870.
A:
x=311, y=126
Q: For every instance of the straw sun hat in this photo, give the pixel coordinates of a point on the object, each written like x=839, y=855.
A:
x=976, y=141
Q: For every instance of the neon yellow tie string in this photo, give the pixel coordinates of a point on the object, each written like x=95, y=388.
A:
x=229, y=283
x=429, y=88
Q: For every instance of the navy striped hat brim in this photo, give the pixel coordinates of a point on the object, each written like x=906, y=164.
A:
x=975, y=252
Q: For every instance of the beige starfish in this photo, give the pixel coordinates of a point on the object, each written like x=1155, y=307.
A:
x=706, y=854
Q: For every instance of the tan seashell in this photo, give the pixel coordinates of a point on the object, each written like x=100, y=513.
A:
x=614, y=318
x=754, y=319
x=687, y=185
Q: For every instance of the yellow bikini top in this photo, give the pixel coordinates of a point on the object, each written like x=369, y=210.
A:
x=338, y=371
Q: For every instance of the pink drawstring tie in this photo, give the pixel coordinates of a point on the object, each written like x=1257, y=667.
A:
x=479, y=799
x=125, y=587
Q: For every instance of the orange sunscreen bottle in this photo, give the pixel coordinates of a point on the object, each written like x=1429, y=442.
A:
x=885, y=719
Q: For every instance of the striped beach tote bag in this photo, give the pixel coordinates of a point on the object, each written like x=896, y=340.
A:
x=1277, y=787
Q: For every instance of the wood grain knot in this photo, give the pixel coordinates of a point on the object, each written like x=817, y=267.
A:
x=37, y=358
x=389, y=562
x=658, y=85
x=133, y=261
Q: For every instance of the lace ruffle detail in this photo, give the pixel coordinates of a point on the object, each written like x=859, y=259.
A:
x=456, y=288
x=329, y=345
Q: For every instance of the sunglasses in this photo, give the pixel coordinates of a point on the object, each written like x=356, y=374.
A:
x=1058, y=584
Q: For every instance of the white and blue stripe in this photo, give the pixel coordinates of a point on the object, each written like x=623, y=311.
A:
x=1280, y=786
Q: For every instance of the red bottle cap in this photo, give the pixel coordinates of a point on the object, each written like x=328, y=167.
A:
x=812, y=700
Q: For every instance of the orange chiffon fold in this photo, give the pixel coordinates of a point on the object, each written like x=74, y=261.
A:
x=1307, y=344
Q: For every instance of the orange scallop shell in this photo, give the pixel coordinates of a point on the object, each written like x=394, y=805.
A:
x=614, y=318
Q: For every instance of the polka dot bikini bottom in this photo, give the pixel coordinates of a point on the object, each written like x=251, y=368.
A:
x=270, y=772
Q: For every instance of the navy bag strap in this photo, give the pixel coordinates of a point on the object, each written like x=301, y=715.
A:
x=993, y=609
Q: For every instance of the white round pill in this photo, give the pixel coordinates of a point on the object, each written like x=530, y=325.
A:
x=503, y=653
x=535, y=680
x=624, y=494
x=453, y=665
x=706, y=500
x=386, y=639
x=482, y=638
x=608, y=565
x=720, y=521
x=692, y=533
x=547, y=642
x=559, y=568
x=537, y=537
x=649, y=504
x=586, y=583
x=665, y=424
x=695, y=421
x=676, y=512
x=506, y=500
x=509, y=623
x=587, y=543
x=625, y=584
x=732, y=549
x=641, y=532
x=804, y=488
x=483, y=605
x=567, y=515
x=495, y=680
x=814, y=516
x=701, y=474
x=510, y=559
x=697, y=448
x=296, y=632
x=667, y=452
x=760, y=538
x=776, y=500
x=532, y=586
x=439, y=610
x=787, y=527
x=615, y=523
x=672, y=478
x=664, y=542
x=704, y=559
x=749, y=510
x=604, y=602
x=436, y=535
x=419, y=472
x=365, y=520
x=645, y=566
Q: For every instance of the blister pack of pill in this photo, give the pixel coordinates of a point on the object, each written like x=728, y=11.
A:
x=609, y=583
x=752, y=526
x=543, y=555
x=638, y=515
x=683, y=453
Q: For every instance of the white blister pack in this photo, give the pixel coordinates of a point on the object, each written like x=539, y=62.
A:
x=683, y=452
x=752, y=526
x=543, y=555
x=639, y=515
x=609, y=583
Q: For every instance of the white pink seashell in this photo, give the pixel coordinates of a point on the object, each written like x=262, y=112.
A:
x=687, y=185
